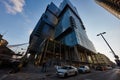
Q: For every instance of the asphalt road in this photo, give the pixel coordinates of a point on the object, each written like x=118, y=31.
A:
x=113, y=74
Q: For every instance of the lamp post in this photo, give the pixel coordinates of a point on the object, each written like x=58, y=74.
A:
x=116, y=57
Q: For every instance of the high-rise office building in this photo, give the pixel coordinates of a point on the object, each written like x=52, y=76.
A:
x=113, y=6
x=68, y=34
x=71, y=31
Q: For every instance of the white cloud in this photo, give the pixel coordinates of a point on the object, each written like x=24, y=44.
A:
x=26, y=17
x=14, y=6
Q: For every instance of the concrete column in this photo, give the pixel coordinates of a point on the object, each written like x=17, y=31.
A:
x=92, y=58
x=43, y=55
x=80, y=56
x=77, y=53
x=86, y=55
x=60, y=54
x=54, y=54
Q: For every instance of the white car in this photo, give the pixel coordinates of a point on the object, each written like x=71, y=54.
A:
x=83, y=69
x=64, y=71
x=109, y=67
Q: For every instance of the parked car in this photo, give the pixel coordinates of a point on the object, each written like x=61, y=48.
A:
x=100, y=68
x=84, y=69
x=65, y=71
x=109, y=67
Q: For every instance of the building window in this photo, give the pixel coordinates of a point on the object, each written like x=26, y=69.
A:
x=72, y=22
x=45, y=16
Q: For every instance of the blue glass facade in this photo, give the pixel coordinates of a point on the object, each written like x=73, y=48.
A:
x=44, y=28
x=78, y=34
x=62, y=24
x=61, y=35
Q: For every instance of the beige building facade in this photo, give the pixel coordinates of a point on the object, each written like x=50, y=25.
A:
x=113, y=6
x=103, y=60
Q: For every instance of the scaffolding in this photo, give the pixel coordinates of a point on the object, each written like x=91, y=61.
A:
x=52, y=51
x=55, y=53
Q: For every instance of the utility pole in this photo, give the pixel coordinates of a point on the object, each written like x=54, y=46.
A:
x=116, y=56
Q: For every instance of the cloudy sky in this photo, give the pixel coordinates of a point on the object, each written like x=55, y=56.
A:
x=19, y=17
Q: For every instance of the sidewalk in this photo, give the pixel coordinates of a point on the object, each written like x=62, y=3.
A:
x=30, y=73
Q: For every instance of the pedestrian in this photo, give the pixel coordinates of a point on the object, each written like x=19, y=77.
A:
x=44, y=67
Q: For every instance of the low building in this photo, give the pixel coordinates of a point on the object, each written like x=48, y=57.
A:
x=6, y=54
x=104, y=60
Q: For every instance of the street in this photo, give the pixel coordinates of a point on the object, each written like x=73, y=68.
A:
x=113, y=74
x=97, y=75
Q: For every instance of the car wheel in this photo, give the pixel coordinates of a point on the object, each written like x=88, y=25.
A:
x=80, y=71
x=66, y=75
x=75, y=72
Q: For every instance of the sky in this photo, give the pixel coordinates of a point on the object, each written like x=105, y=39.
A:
x=19, y=17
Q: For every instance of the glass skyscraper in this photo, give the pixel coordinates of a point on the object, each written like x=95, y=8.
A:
x=70, y=29
x=64, y=26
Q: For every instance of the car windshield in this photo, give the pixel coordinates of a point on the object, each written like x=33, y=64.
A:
x=65, y=67
x=82, y=66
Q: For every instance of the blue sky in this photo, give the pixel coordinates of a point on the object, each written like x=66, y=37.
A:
x=19, y=17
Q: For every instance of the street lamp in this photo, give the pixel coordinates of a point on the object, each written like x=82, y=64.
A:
x=116, y=57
